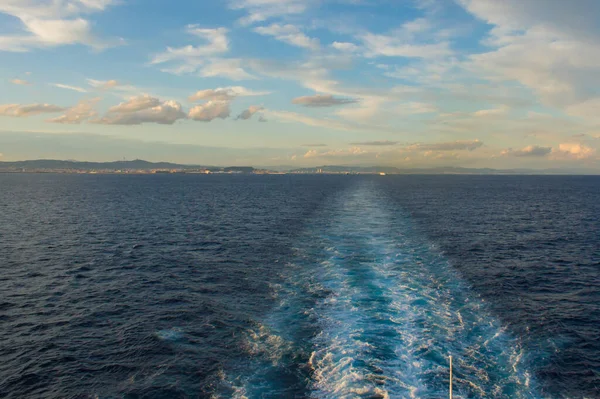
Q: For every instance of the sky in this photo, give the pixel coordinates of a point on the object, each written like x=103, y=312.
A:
x=405, y=83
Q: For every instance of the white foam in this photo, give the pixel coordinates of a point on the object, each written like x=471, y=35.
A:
x=389, y=310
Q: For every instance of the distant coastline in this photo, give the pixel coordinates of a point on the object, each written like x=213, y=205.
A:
x=145, y=167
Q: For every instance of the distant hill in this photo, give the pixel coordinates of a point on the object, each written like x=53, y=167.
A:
x=137, y=164
x=435, y=171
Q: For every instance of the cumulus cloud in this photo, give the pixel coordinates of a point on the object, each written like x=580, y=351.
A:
x=466, y=145
x=289, y=34
x=210, y=111
x=529, y=151
x=143, y=109
x=21, y=82
x=311, y=154
x=135, y=104
x=573, y=151
x=225, y=93
x=248, y=113
x=81, y=112
x=375, y=143
x=20, y=110
x=220, y=94
x=322, y=101
x=67, y=87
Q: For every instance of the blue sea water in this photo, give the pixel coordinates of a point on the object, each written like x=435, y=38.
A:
x=186, y=286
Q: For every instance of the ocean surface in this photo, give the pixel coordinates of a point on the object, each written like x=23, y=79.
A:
x=232, y=286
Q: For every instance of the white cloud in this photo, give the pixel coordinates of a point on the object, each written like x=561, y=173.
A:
x=576, y=19
x=225, y=93
x=311, y=154
x=215, y=42
x=20, y=110
x=48, y=23
x=311, y=73
x=115, y=87
x=103, y=84
x=205, y=60
x=289, y=34
x=262, y=10
x=135, y=104
x=465, y=145
x=322, y=101
x=67, y=87
x=407, y=41
x=143, y=109
x=369, y=109
x=345, y=46
x=21, y=82
x=230, y=68
x=53, y=9
x=249, y=112
x=529, y=151
x=210, y=111
x=560, y=72
x=573, y=151
x=391, y=46
x=81, y=112
x=548, y=46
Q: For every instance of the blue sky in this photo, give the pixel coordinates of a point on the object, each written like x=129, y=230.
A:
x=408, y=83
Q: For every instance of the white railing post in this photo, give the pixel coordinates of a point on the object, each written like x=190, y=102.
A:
x=450, y=377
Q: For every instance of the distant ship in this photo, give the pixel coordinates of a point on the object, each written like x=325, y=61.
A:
x=381, y=173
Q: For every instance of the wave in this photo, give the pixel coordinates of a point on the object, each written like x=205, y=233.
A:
x=368, y=308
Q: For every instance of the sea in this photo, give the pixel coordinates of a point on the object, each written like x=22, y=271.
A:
x=299, y=286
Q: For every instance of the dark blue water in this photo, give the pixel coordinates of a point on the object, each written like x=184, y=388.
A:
x=299, y=286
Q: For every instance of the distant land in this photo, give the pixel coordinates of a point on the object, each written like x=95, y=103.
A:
x=440, y=170
x=146, y=167
x=135, y=166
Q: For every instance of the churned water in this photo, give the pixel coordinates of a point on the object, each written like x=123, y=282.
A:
x=299, y=286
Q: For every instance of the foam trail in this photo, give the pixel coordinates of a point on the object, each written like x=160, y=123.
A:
x=369, y=309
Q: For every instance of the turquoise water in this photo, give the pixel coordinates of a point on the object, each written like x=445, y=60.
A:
x=374, y=310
